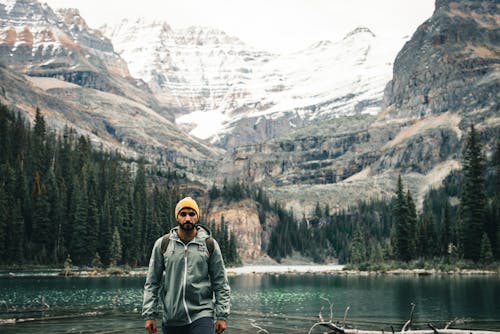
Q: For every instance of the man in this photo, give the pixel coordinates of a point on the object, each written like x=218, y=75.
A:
x=195, y=287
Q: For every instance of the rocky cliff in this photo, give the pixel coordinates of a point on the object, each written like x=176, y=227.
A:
x=445, y=78
x=55, y=62
x=451, y=63
x=242, y=219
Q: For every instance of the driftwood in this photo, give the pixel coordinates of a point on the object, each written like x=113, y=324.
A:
x=342, y=329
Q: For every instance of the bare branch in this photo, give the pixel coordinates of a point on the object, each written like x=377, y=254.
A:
x=328, y=325
x=331, y=308
x=320, y=315
x=431, y=326
x=345, y=315
x=408, y=323
x=448, y=324
x=261, y=330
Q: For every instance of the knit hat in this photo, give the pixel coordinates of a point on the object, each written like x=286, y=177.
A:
x=187, y=202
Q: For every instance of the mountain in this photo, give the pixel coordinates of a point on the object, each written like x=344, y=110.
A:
x=55, y=62
x=444, y=79
x=233, y=95
x=331, y=124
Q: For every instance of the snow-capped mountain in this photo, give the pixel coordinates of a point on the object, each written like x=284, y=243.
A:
x=216, y=83
x=54, y=62
x=32, y=32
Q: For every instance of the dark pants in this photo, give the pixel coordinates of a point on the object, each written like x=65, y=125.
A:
x=200, y=326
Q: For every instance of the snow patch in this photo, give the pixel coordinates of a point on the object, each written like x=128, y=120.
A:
x=9, y=4
x=207, y=123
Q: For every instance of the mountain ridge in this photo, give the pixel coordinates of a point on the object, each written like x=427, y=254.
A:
x=333, y=123
x=237, y=85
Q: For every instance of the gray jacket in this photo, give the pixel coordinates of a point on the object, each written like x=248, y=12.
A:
x=190, y=282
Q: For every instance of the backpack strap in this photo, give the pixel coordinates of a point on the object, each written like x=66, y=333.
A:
x=164, y=243
x=208, y=241
x=210, y=245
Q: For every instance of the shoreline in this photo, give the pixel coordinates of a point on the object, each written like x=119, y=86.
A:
x=287, y=269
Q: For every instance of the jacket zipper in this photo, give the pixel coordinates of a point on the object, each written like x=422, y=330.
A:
x=185, y=282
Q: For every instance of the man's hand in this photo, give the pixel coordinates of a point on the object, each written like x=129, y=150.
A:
x=220, y=326
x=151, y=326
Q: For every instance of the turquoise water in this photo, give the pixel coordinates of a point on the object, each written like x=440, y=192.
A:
x=277, y=303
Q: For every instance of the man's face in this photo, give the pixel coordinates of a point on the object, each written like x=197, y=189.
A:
x=187, y=219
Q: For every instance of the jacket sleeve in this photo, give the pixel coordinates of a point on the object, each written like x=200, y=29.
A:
x=220, y=284
x=153, y=283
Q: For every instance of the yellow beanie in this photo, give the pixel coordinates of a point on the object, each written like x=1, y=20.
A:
x=187, y=202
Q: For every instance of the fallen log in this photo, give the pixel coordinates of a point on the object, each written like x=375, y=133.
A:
x=419, y=331
x=338, y=329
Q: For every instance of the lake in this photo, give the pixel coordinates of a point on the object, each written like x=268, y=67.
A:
x=284, y=303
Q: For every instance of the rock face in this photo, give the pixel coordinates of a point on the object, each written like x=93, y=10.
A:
x=242, y=219
x=55, y=62
x=40, y=42
x=445, y=78
x=451, y=63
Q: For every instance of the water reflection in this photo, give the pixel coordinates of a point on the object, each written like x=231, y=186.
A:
x=279, y=303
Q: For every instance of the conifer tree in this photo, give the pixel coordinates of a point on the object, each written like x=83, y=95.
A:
x=5, y=135
x=55, y=218
x=140, y=212
x=43, y=236
x=446, y=232
x=3, y=216
x=486, y=255
x=473, y=197
x=116, y=247
x=106, y=231
x=16, y=235
x=412, y=224
x=39, y=154
x=494, y=230
x=78, y=241
x=358, y=246
x=92, y=225
x=403, y=232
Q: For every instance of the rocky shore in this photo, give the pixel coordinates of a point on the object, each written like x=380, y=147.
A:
x=332, y=269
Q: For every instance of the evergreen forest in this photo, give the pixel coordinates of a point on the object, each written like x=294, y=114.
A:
x=458, y=223
x=63, y=199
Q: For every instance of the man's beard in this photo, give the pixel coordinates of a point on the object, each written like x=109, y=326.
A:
x=187, y=226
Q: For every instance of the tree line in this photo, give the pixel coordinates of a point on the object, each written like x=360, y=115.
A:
x=61, y=199
x=458, y=221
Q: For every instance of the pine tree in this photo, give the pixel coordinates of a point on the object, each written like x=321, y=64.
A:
x=5, y=135
x=105, y=234
x=92, y=224
x=116, y=248
x=358, y=246
x=473, y=198
x=486, y=255
x=446, y=232
x=3, y=217
x=494, y=232
x=15, y=235
x=55, y=217
x=403, y=233
x=411, y=224
x=78, y=241
x=43, y=234
x=140, y=199
x=39, y=153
